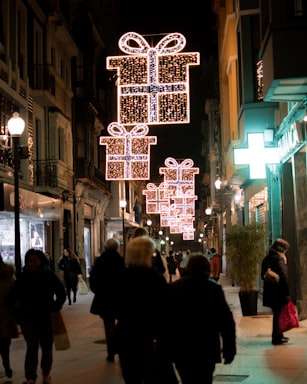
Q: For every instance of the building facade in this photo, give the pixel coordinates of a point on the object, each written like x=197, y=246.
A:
x=263, y=94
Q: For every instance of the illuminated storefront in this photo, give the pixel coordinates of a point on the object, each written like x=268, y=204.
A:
x=37, y=212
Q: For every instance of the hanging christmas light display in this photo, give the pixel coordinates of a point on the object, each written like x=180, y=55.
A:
x=153, y=82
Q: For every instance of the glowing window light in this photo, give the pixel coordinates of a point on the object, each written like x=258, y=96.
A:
x=157, y=198
x=179, y=177
x=128, y=152
x=153, y=83
x=256, y=156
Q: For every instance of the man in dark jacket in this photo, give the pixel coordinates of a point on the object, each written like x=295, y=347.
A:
x=105, y=279
x=274, y=272
x=199, y=318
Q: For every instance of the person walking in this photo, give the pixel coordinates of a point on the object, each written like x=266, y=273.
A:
x=37, y=293
x=200, y=320
x=70, y=265
x=215, y=261
x=105, y=279
x=8, y=325
x=274, y=273
x=171, y=265
x=139, y=328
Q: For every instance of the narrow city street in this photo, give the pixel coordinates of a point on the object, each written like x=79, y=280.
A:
x=257, y=361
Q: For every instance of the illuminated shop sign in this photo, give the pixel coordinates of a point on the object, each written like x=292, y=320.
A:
x=256, y=156
x=290, y=140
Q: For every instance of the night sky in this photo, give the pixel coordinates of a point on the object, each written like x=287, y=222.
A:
x=179, y=141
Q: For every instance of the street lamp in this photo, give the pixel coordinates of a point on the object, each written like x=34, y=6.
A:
x=149, y=222
x=123, y=204
x=16, y=126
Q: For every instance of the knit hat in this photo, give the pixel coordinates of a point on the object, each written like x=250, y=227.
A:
x=280, y=245
x=213, y=252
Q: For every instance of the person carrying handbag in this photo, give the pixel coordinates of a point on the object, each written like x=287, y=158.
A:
x=274, y=273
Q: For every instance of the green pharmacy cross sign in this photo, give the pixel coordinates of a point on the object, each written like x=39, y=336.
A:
x=256, y=156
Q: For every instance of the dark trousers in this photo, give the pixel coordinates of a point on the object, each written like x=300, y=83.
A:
x=71, y=286
x=37, y=334
x=5, y=352
x=276, y=309
x=109, y=325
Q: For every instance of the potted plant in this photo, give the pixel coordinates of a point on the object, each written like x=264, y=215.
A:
x=245, y=249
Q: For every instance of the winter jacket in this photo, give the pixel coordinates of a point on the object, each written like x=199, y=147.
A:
x=37, y=294
x=201, y=324
x=275, y=293
x=71, y=268
x=105, y=279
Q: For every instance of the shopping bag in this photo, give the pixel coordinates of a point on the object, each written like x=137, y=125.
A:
x=288, y=318
x=82, y=287
x=59, y=331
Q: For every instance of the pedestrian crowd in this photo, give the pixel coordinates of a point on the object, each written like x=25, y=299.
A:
x=137, y=297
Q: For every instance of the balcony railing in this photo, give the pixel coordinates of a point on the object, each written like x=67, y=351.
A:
x=43, y=79
x=90, y=174
x=54, y=174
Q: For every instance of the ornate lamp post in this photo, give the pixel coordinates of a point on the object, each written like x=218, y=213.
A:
x=123, y=204
x=16, y=126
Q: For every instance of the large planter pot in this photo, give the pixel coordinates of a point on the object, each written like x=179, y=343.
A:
x=249, y=303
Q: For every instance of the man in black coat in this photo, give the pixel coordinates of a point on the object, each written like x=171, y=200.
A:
x=105, y=279
x=199, y=318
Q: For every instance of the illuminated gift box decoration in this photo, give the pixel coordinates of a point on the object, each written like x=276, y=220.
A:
x=127, y=152
x=170, y=216
x=188, y=236
x=185, y=205
x=184, y=225
x=179, y=177
x=157, y=198
x=152, y=83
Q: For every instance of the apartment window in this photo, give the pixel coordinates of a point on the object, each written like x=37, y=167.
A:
x=61, y=144
x=21, y=41
x=39, y=150
x=52, y=56
x=62, y=74
x=297, y=8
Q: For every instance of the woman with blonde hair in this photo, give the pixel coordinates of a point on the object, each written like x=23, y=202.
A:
x=138, y=332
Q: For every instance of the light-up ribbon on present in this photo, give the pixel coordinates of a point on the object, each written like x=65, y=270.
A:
x=159, y=71
x=128, y=152
x=179, y=177
x=157, y=198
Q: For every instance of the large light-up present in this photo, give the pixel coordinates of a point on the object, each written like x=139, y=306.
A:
x=157, y=198
x=153, y=82
x=169, y=216
x=179, y=177
x=127, y=152
x=185, y=205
